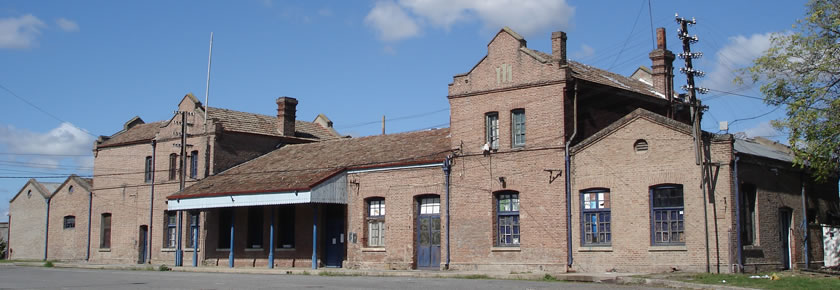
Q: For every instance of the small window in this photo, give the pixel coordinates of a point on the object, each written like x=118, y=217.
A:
x=170, y=229
x=595, y=217
x=29, y=193
x=173, y=166
x=105, y=231
x=193, y=164
x=193, y=229
x=667, y=215
x=286, y=227
x=430, y=205
x=255, y=228
x=507, y=218
x=69, y=222
x=148, y=173
x=376, y=222
x=225, y=216
x=492, y=129
x=517, y=119
x=70, y=189
x=641, y=146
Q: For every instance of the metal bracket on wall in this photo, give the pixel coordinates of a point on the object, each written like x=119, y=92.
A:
x=552, y=176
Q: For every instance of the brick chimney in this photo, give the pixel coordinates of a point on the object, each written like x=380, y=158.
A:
x=286, y=108
x=663, y=69
x=558, y=46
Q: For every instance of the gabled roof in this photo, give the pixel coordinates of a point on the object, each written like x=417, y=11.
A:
x=636, y=114
x=45, y=189
x=131, y=135
x=85, y=183
x=243, y=122
x=763, y=148
x=300, y=167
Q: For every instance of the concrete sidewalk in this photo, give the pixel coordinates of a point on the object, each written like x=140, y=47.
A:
x=611, y=277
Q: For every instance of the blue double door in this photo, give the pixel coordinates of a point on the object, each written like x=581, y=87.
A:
x=428, y=241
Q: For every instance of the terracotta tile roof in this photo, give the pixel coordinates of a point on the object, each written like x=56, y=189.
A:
x=302, y=166
x=141, y=132
x=237, y=121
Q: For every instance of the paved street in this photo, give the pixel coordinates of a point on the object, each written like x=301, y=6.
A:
x=15, y=277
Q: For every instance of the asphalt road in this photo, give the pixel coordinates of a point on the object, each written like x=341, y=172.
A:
x=14, y=277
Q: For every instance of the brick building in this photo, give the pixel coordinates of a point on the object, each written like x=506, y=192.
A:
x=136, y=168
x=28, y=211
x=70, y=214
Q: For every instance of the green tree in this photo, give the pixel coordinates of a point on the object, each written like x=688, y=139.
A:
x=801, y=70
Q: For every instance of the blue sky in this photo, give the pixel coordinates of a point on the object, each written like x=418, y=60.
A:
x=85, y=67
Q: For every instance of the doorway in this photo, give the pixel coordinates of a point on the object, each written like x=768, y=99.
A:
x=334, y=236
x=142, y=245
x=428, y=233
x=785, y=215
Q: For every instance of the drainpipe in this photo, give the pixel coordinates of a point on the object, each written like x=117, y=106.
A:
x=804, y=222
x=271, y=240
x=9, y=242
x=314, y=236
x=151, y=205
x=569, y=184
x=47, y=229
x=194, y=231
x=232, y=223
x=447, y=166
x=738, y=217
x=90, y=216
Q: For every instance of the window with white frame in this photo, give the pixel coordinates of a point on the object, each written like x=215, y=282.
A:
x=492, y=129
x=507, y=218
x=667, y=211
x=595, y=217
x=517, y=120
x=430, y=205
x=376, y=222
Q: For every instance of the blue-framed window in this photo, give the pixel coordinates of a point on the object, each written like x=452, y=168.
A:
x=193, y=218
x=147, y=176
x=507, y=219
x=517, y=120
x=596, y=220
x=667, y=215
x=170, y=229
x=193, y=164
x=491, y=123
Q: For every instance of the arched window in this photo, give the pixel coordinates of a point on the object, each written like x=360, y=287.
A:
x=70, y=189
x=507, y=218
x=667, y=211
x=641, y=146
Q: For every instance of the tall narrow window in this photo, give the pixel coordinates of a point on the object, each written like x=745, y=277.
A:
x=193, y=164
x=748, y=224
x=595, y=217
x=507, y=216
x=170, y=229
x=517, y=119
x=667, y=210
x=225, y=215
x=105, y=231
x=255, y=228
x=492, y=127
x=70, y=222
x=376, y=222
x=193, y=233
x=148, y=172
x=173, y=166
x=286, y=227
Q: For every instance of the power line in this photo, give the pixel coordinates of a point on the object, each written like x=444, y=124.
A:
x=42, y=110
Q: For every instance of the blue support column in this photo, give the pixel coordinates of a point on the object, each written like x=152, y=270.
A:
x=179, y=254
x=232, y=222
x=271, y=240
x=314, y=236
x=194, y=229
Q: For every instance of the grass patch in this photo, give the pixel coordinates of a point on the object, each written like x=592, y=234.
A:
x=549, y=278
x=164, y=268
x=49, y=264
x=333, y=273
x=305, y=273
x=790, y=280
x=474, y=276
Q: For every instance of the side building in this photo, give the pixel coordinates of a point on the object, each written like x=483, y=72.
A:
x=28, y=212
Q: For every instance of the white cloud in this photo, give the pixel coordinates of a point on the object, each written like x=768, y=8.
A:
x=584, y=52
x=67, y=24
x=738, y=53
x=20, y=32
x=391, y=21
x=763, y=129
x=65, y=139
x=525, y=17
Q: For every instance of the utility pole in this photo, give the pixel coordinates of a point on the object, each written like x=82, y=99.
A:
x=179, y=253
x=696, y=110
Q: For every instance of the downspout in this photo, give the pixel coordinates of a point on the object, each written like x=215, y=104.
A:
x=47, y=229
x=9, y=242
x=738, y=218
x=804, y=222
x=447, y=166
x=90, y=216
x=569, y=184
x=151, y=205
